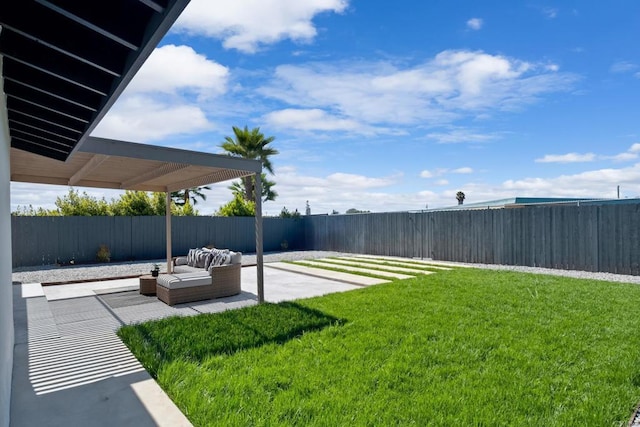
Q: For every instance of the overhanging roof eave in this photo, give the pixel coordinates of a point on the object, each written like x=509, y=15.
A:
x=165, y=21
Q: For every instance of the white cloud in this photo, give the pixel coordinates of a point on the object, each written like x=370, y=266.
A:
x=597, y=183
x=166, y=97
x=171, y=69
x=622, y=67
x=458, y=136
x=312, y=119
x=550, y=12
x=567, y=158
x=434, y=173
x=358, y=181
x=464, y=170
x=624, y=157
x=631, y=154
x=442, y=182
x=475, y=23
x=246, y=25
x=452, y=85
x=143, y=119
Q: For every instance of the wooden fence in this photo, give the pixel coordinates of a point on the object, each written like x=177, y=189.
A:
x=602, y=238
x=47, y=240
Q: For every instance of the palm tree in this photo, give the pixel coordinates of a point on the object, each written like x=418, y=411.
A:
x=460, y=197
x=189, y=195
x=268, y=194
x=250, y=144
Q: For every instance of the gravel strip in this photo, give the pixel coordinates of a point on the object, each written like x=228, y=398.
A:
x=85, y=272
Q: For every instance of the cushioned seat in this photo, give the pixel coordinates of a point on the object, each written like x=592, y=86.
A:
x=183, y=280
x=187, y=287
x=197, y=284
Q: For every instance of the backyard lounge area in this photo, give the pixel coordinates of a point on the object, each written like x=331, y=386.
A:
x=456, y=346
x=522, y=314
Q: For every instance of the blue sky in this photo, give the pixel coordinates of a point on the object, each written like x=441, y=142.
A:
x=388, y=106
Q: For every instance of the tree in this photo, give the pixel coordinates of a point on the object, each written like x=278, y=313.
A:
x=284, y=213
x=460, y=197
x=250, y=144
x=192, y=195
x=238, y=207
x=355, y=211
x=268, y=194
x=159, y=203
x=134, y=203
x=31, y=211
x=76, y=204
x=131, y=203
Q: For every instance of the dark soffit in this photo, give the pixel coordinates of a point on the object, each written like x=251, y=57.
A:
x=65, y=62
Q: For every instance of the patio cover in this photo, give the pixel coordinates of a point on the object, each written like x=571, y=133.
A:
x=107, y=163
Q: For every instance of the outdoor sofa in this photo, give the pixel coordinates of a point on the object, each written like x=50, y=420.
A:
x=203, y=274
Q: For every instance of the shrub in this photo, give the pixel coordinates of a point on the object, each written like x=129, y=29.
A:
x=103, y=254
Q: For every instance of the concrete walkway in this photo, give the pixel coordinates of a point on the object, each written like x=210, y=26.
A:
x=71, y=369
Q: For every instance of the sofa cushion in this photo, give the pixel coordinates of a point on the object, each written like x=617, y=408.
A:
x=185, y=280
x=220, y=257
x=208, y=260
x=179, y=269
x=200, y=258
x=236, y=257
x=181, y=260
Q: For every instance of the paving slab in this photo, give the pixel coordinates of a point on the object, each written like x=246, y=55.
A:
x=387, y=274
x=374, y=267
x=87, y=289
x=420, y=261
x=323, y=273
x=398, y=261
x=282, y=284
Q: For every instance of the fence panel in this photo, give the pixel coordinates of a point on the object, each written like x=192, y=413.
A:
x=50, y=240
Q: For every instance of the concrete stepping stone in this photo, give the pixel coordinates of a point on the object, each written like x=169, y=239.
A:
x=323, y=273
x=388, y=274
x=399, y=261
x=419, y=261
x=374, y=266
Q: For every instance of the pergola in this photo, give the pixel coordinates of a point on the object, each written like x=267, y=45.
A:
x=107, y=163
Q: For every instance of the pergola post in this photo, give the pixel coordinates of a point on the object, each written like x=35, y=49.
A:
x=260, y=272
x=168, y=231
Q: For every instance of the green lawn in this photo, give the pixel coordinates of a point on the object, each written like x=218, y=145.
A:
x=460, y=347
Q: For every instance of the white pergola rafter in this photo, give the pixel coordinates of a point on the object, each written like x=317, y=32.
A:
x=219, y=176
x=156, y=173
x=90, y=166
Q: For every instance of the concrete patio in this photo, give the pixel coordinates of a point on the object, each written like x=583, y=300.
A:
x=70, y=368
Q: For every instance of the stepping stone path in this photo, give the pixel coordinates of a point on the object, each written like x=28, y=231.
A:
x=400, y=268
x=338, y=276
